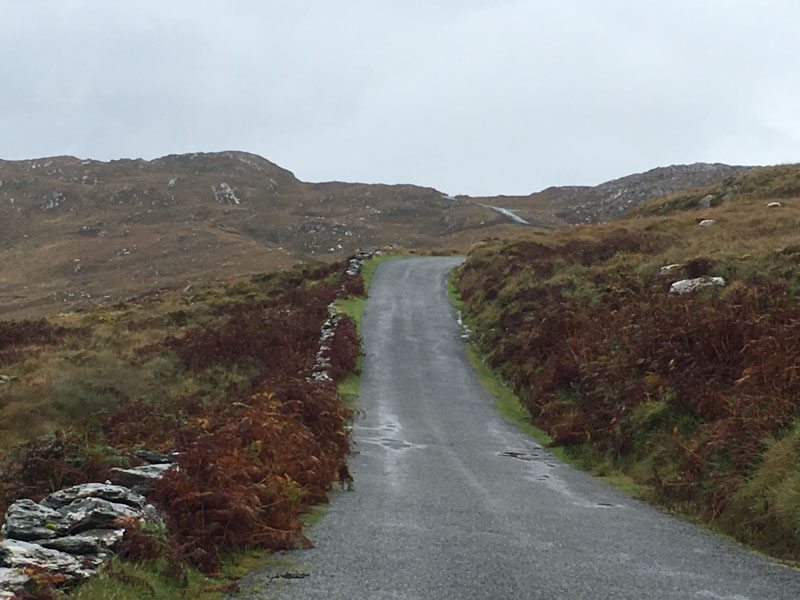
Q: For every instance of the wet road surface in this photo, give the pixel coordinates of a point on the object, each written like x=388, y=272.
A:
x=451, y=502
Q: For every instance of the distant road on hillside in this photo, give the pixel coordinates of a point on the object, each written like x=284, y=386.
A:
x=451, y=502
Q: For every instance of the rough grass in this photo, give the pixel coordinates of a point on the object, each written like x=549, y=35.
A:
x=693, y=398
x=219, y=373
x=107, y=356
x=150, y=579
x=130, y=581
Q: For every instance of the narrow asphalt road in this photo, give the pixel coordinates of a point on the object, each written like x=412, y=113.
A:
x=440, y=512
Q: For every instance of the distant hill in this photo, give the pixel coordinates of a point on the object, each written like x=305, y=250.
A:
x=772, y=183
x=610, y=200
x=74, y=231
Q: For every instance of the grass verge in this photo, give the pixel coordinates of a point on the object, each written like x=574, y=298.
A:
x=514, y=411
x=121, y=580
x=353, y=306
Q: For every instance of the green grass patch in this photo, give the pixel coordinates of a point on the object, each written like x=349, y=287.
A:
x=134, y=581
x=353, y=307
x=315, y=515
x=349, y=388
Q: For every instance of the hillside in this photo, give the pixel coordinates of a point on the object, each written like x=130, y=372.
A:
x=75, y=232
x=770, y=183
x=610, y=200
x=692, y=398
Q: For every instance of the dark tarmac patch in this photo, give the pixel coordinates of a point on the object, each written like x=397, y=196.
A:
x=395, y=444
x=520, y=455
x=291, y=575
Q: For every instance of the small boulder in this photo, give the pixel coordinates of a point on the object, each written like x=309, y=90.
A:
x=155, y=458
x=92, y=541
x=96, y=513
x=19, y=554
x=112, y=493
x=26, y=520
x=668, y=269
x=686, y=286
x=707, y=222
x=705, y=201
x=774, y=205
x=141, y=478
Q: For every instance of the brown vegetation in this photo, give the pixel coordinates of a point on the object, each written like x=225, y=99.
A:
x=695, y=396
x=219, y=374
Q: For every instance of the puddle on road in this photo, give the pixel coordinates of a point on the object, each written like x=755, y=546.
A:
x=379, y=436
x=540, y=463
x=395, y=444
x=519, y=455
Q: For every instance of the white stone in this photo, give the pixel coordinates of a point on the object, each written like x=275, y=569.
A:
x=14, y=553
x=686, y=286
x=224, y=194
x=112, y=493
x=668, y=269
x=139, y=477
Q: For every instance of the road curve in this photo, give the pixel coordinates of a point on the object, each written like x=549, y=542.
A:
x=440, y=512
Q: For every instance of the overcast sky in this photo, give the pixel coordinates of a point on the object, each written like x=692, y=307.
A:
x=468, y=96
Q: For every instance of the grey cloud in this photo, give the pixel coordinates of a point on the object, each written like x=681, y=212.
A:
x=479, y=97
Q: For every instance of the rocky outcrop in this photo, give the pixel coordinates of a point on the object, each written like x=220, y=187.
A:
x=609, y=200
x=224, y=194
x=53, y=200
